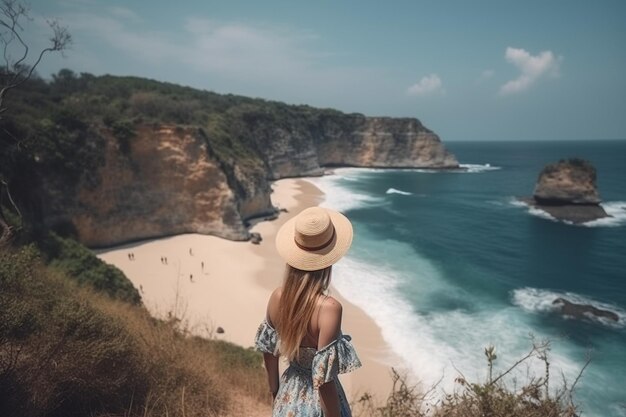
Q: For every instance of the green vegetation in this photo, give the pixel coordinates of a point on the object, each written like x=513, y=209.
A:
x=80, y=264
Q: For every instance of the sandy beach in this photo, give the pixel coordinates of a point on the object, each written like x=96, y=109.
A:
x=212, y=283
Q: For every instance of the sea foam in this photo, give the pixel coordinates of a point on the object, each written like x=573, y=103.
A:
x=615, y=209
x=535, y=300
x=432, y=344
x=338, y=197
x=396, y=191
x=477, y=168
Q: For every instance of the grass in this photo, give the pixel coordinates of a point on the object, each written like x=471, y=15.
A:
x=66, y=350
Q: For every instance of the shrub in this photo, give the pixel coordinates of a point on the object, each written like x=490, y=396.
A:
x=491, y=398
x=80, y=264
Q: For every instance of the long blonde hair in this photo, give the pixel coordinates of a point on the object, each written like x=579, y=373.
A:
x=298, y=300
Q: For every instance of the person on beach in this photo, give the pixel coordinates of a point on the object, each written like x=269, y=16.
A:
x=303, y=323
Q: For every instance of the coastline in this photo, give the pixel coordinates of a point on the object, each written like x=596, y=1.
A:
x=209, y=282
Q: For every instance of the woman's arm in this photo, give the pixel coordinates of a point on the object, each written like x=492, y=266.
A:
x=271, y=361
x=330, y=329
x=329, y=399
x=271, y=367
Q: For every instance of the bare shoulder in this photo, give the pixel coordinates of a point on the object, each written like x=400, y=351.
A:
x=329, y=321
x=275, y=296
x=273, y=304
x=331, y=311
x=331, y=305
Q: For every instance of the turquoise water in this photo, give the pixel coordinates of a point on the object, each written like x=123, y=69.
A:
x=449, y=262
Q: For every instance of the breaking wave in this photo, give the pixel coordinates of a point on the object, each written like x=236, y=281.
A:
x=396, y=191
x=476, y=168
x=535, y=300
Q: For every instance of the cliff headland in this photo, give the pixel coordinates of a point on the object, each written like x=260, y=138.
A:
x=117, y=159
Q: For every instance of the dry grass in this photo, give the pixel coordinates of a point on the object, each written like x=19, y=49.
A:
x=68, y=351
x=491, y=398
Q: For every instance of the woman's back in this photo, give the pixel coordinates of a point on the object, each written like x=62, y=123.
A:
x=324, y=325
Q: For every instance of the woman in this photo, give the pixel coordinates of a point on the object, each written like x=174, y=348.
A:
x=303, y=324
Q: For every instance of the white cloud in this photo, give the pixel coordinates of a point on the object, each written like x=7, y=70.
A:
x=428, y=85
x=532, y=68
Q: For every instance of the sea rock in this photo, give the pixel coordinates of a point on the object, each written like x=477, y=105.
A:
x=567, y=191
x=569, y=181
x=582, y=311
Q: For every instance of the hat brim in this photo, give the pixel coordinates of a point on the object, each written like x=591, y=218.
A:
x=318, y=259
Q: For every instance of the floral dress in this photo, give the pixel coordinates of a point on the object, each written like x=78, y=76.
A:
x=298, y=394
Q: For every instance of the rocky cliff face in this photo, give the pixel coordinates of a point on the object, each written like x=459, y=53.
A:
x=567, y=190
x=172, y=180
x=384, y=143
x=351, y=140
x=571, y=181
x=165, y=184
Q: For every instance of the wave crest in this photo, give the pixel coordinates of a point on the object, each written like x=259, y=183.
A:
x=615, y=209
x=476, y=168
x=535, y=300
x=396, y=191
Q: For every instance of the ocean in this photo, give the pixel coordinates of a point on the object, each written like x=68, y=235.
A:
x=449, y=262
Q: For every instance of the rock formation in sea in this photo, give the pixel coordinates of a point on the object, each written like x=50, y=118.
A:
x=567, y=190
x=171, y=179
x=583, y=311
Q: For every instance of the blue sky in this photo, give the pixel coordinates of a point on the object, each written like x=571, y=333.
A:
x=469, y=70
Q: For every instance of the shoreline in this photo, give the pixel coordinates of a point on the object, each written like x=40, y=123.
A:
x=210, y=283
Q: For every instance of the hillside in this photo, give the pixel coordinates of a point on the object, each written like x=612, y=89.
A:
x=113, y=159
x=90, y=156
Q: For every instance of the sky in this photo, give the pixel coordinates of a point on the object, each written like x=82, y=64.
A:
x=469, y=70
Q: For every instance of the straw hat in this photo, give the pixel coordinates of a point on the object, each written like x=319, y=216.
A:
x=314, y=239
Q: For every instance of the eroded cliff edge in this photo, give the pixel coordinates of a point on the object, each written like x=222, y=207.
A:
x=162, y=173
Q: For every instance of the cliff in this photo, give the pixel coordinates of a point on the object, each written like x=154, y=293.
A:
x=166, y=183
x=567, y=190
x=163, y=159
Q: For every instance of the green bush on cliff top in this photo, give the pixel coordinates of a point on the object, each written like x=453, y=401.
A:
x=79, y=263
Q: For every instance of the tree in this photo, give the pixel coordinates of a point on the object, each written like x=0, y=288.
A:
x=18, y=67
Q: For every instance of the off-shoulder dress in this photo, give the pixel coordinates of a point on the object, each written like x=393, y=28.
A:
x=298, y=393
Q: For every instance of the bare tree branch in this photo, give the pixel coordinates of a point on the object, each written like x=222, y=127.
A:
x=531, y=353
x=15, y=72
